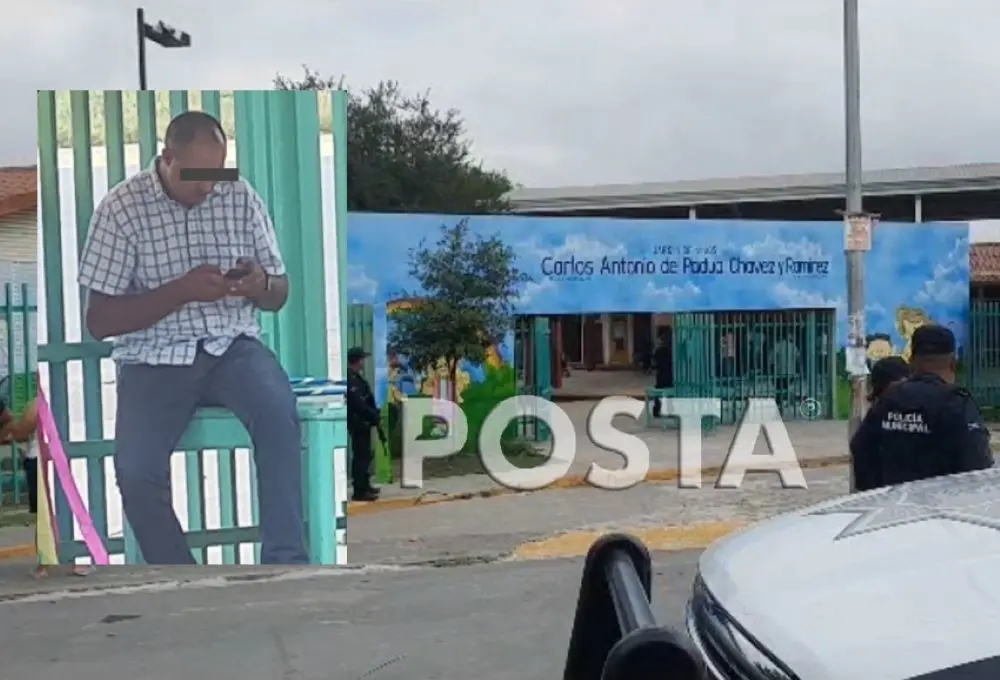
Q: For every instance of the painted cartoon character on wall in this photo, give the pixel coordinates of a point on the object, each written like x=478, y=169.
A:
x=909, y=319
x=437, y=379
x=878, y=346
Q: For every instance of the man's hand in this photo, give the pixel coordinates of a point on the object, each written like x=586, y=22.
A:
x=204, y=283
x=251, y=286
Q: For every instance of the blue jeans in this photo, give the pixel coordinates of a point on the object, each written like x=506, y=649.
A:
x=155, y=407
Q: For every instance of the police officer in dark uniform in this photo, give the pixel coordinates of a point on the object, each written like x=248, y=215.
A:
x=362, y=417
x=923, y=426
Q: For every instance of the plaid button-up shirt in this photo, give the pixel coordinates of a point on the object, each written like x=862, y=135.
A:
x=140, y=239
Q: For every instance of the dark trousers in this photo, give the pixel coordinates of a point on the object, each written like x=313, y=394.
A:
x=663, y=381
x=362, y=457
x=155, y=407
x=31, y=481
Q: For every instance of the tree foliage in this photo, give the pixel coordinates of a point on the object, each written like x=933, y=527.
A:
x=404, y=155
x=468, y=285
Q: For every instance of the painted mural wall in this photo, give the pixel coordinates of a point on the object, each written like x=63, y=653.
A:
x=914, y=273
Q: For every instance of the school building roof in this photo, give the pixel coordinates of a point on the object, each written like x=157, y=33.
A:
x=892, y=182
x=18, y=190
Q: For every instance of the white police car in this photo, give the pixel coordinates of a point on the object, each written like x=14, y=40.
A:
x=900, y=583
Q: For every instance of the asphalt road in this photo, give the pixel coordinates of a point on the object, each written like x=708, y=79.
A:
x=478, y=613
x=498, y=621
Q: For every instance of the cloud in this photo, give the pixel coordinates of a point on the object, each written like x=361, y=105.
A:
x=771, y=247
x=575, y=245
x=359, y=284
x=735, y=107
x=950, y=284
x=787, y=296
x=532, y=289
x=942, y=292
x=670, y=295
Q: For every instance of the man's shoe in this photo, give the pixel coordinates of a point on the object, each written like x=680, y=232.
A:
x=366, y=495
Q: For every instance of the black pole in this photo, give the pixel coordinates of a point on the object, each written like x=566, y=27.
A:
x=140, y=27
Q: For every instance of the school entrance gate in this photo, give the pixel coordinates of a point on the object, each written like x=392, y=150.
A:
x=789, y=356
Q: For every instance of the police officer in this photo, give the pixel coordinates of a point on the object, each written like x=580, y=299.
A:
x=362, y=416
x=885, y=373
x=924, y=426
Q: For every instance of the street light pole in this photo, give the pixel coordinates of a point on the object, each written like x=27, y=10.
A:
x=161, y=34
x=140, y=24
x=857, y=223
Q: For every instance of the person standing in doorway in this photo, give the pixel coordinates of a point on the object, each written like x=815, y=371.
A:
x=185, y=333
x=785, y=364
x=362, y=417
x=663, y=358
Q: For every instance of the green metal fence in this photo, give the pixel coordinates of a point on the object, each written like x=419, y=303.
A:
x=277, y=150
x=787, y=356
x=18, y=318
x=980, y=359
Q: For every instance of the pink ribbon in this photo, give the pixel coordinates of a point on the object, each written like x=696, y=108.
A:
x=60, y=462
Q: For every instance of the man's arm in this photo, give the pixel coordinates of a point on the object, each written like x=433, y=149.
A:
x=866, y=448
x=267, y=254
x=970, y=443
x=357, y=403
x=107, y=268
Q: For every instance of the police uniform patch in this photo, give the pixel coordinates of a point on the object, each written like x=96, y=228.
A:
x=896, y=421
x=972, y=498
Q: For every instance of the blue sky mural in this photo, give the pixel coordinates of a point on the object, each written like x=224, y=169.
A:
x=581, y=265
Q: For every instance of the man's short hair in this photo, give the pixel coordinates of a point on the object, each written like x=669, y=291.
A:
x=188, y=126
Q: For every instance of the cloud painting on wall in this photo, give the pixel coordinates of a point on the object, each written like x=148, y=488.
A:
x=592, y=265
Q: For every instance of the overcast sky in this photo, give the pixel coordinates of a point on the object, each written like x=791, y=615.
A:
x=565, y=92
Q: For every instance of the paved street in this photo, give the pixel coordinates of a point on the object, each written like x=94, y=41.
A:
x=502, y=621
x=495, y=527
x=478, y=588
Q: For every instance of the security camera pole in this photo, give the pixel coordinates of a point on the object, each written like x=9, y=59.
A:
x=161, y=34
x=857, y=223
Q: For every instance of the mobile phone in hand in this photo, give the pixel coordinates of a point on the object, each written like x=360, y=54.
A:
x=236, y=274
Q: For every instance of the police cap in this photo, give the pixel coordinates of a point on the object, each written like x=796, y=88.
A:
x=932, y=340
x=887, y=371
x=356, y=354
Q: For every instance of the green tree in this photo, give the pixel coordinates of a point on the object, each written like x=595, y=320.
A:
x=468, y=284
x=404, y=155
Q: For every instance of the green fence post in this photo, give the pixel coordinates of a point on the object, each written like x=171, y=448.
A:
x=83, y=187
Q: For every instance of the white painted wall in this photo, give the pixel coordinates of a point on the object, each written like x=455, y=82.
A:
x=984, y=231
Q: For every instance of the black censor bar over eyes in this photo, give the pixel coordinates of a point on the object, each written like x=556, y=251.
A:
x=209, y=174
